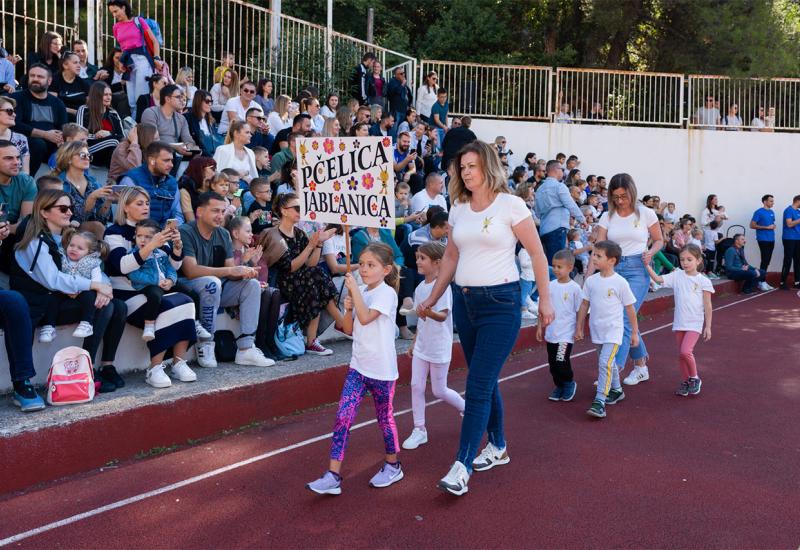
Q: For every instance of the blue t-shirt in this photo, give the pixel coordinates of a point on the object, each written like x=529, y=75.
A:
x=791, y=233
x=764, y=217
x=441, y=110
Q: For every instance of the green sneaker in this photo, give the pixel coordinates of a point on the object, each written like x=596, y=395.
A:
x=598, y=409
x=694, y=386
x=683, y=389
x=615, y=396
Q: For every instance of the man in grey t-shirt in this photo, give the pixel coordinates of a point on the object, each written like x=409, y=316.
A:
x=209, y=270
x=707, y=116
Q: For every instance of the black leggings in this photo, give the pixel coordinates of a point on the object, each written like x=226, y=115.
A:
x=86, y=300
x=108, y=323
x=791, y=254
x=150, y=309
x=189, y=291
x=560, y=365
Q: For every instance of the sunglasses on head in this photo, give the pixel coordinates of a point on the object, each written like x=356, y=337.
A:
x=63, y=208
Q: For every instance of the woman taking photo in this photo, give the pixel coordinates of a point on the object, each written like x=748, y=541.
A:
x=264, y=95
x=234, y=154
x=631, y=225
x=91, y=202
x=155, y=83
x=129, y=153
x=8, y=119
x=68, y=86
x=36, y=274
x=195, y=180
x=486, y=222
x=222, y=91
x=102, y=122
x=202, y=126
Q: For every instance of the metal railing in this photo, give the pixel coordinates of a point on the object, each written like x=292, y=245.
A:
x=496, y=91
x=720, y=102
x=624, y=97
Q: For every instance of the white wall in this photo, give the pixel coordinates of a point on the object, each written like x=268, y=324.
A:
x=680, y=166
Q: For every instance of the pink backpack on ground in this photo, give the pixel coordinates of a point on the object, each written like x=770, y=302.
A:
x=71, y=378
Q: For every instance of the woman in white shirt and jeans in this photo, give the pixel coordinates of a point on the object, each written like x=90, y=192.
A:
x=486, y=221
x=631, y=225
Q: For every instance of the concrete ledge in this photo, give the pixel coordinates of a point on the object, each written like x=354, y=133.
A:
x=62, y=441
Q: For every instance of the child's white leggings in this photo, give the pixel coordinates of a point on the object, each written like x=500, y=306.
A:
x=419, y=376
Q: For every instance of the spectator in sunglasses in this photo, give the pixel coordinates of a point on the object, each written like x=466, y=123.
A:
x=236, y=108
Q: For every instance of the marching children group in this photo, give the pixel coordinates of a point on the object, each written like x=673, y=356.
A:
x=370, y=312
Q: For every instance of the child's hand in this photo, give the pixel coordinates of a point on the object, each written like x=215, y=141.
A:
x=707, y=334
x=351, y=283
x=578, y=334
x=410, y=351
x=635, y=339
x=165, y=284
x=348, y=303
x=538, y=333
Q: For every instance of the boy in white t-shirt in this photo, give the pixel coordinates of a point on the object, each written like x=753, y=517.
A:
x=610, y=297
x=566, y=297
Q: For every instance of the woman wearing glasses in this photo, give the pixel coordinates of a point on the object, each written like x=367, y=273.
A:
x=103, y=123
x=91, y=202
x=36, y=274
x=185, y=79
x=426, y=96
x=8, y=118
x=202, y=125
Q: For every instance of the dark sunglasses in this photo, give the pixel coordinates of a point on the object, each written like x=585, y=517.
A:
x=63, y=208
x=296, y=208
x=86, y=156
x=248, y=91
x=208, y=101
x=9, y=111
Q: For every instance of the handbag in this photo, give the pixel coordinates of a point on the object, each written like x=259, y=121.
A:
x=289, y=337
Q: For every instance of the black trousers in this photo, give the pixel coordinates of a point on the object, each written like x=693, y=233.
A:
x=560, y=365
x=85, y=299
x=791, y=254
x=766, y=248
x=154, y=294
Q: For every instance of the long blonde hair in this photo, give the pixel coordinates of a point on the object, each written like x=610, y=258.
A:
x=127, y=196
x=282, y=106
x=489, y=161
x=45, y=199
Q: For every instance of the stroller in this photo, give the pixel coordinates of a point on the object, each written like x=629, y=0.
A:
x=723, y=247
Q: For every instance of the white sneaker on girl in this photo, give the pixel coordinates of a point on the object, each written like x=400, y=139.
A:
x=149, y=332
x=419, y=436
x=83, y=330
x=47, y=334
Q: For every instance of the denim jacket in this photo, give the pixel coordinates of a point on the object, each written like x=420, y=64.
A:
x=154, y=268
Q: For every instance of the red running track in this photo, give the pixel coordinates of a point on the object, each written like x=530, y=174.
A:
x=716, y=470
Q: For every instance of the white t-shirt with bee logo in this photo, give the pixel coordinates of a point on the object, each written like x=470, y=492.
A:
x=566, y=298
x=630, y=232
x=689, y=312
x=607, y=297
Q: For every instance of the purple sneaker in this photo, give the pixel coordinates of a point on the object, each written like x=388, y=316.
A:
x=387, y=475
x=326, y=485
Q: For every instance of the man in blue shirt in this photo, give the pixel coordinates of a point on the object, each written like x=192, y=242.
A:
x=439, y=113
x=764, y=223
x=791, y=243
x=154, y=177
x=738, y=269
x=554, y=205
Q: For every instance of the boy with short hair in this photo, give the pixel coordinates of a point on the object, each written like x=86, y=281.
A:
x=610, y=297
x=566, y=297
x=260, y=211
x=669, y=214
x=710, y=239
x=262, y=161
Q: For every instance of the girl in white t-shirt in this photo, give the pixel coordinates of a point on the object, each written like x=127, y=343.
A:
x=369, y=313
x=433, y=344
x=693, y=292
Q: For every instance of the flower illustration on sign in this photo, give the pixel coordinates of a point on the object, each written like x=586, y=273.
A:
x=374, y=208
x=352, y=183
x=328, y=146
x=384, y=222
x=356, y=144
x=344, y=218
x=312, y=215
x=387, y=141
x=367, y=180
x=342, y=146
x=336, y=198
x=315, y=145
x=312, y=186
x=337, y=186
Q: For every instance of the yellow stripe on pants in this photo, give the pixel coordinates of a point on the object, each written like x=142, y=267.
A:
x=609, y=366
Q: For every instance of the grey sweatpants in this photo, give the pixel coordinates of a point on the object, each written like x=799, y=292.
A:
x=608, y=371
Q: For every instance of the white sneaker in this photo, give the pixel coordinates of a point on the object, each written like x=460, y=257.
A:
x=252, y=356
x=490, y=457
x=205, y=355
x=455, y=482
x=149, y=332
x=638, y=374
x=47, y=334
x=181, y=371
x=83, y=330
x=157, y=378
x=418, y=437
x=765, y=287
x=528, y=315
x=202, y=333
x=406, y=334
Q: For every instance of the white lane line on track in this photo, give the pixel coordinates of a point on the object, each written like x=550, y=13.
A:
x=236, y=465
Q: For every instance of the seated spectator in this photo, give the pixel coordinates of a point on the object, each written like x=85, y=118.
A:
x=738, y=269
x=17, y=189
x=155, y=83
x=154, y=177
x=40, y=116
x=222, y=91
x=431, y=195
x=375, y=113
x=283, y=158
x=7, y=120
x=363, y=114
x=88, y=71
x=262, y=161
x=287, y=180
x=346, y=122
x=202, y=126
x=359, y=129
x=185, y=81
x=236, y=108
x=172, y=126
x=410, y=121
x=209, y=269
x=259, y=212
x=564, y=115
x=36, y=274
x=312, y=108
x=278, y=119
x=102, y=122
x=384, y=127
x=732, y=121
x=334, y=253
x=455, y=140
x=758, y=124
x=517, y=177
x=48, y=53
x=68, y=86
x=8, y=84
x=91, y=202
x=331, y=106
x=115, y=73
x=301, y=124
x=129, y=153
x=225, y=65
x=295, y=256
x=405, y=162
x=331, y=128
x=195, y=181
x=235, y=154
x=264, y=95
x=259, y=130
x=132, y=258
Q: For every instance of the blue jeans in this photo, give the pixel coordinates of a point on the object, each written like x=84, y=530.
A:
x=488, y=321
x=632, y=269
x=749, y=277
x=15, y=320
x=553, y=242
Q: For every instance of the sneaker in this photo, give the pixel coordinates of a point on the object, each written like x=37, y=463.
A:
x=340, y=331
x=201, y=332
x=315, y=348
x=569, y=390
x=109, y=373
x=27, y=399
x=406, y=311
x=83, y=330
x=252, y=356
x=103, y=385
x=711, y=275
x=531, y=304
x=205, y=355
x=598, y=409
x=638, y=374
x=149, y=332
x=455, y=482
x=47, y=334
x=328, y=484
x=694, y=386
x=528, y=315
x=490, y=457
x=765, y=286
x=387, y=475
x=615, y=396
x=556, y=394
x=406, y=334
x=418, y=437
x=683, y=389
x=181, y=371
x=157, y=378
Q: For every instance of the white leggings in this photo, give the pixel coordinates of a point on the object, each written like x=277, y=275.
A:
x=419, y=376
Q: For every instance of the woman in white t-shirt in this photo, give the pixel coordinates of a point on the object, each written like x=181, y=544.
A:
x=486, y=221
x=631, y=225
x=712, y=212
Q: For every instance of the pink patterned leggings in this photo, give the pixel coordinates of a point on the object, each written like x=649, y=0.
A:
x=355, y=386
x=686, y=341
